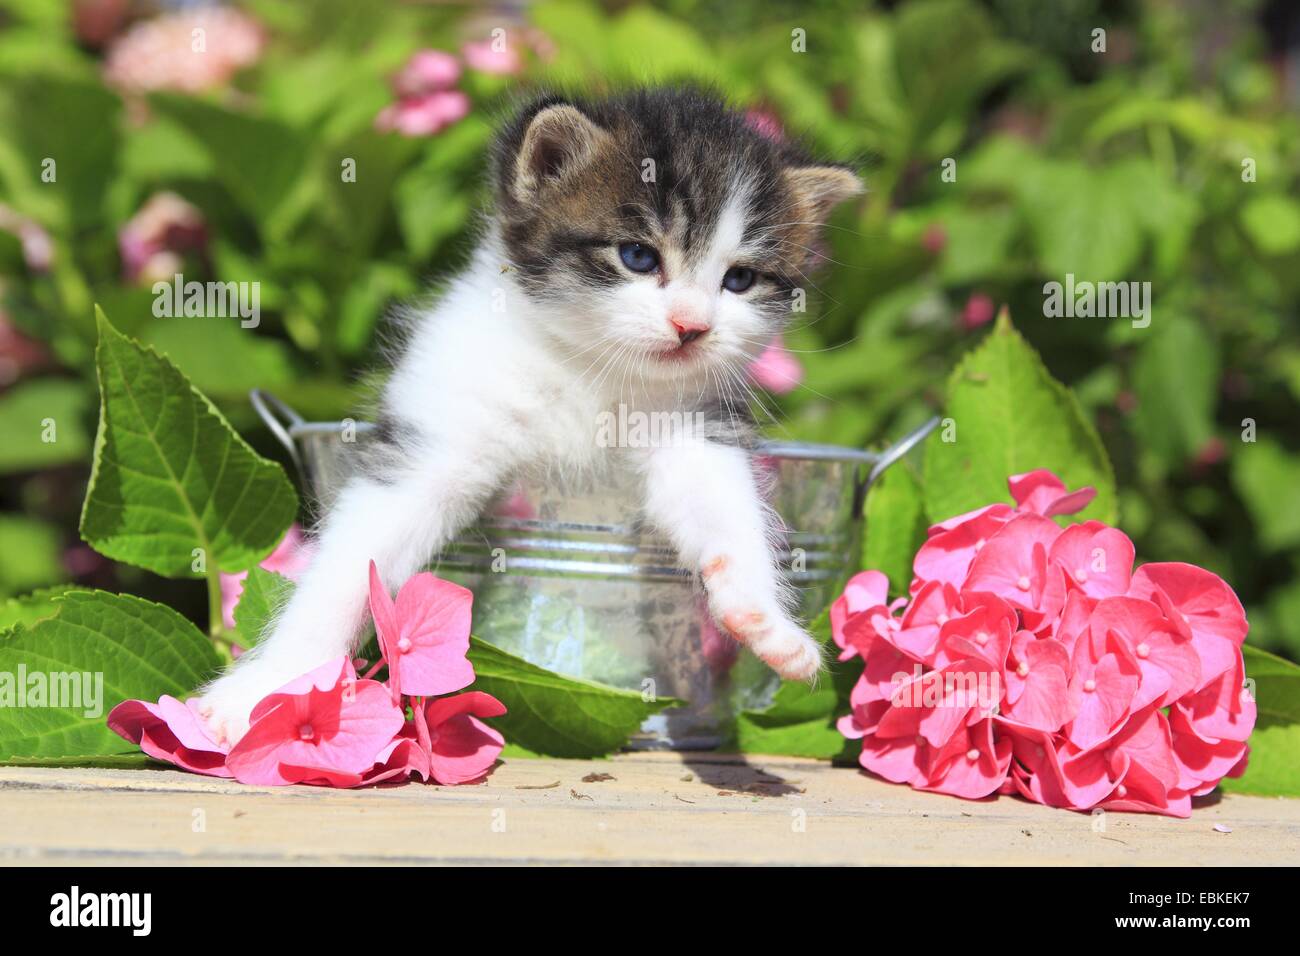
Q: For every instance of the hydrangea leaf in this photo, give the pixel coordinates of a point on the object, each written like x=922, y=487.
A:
x=800, y=721
x=42, y=421
x=552, y=715
x=895, y=526
x=30, y=608
x=264, y=594
x=137, y=648
x=171, y=479
x=1274, y=767
x=1005, y=415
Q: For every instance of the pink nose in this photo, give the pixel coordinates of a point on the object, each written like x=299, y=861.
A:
x=688, y=324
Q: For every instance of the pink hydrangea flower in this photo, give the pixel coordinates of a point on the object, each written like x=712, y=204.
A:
x=171, y=731
x=37, y=246
x=765, y=124
x=480, y=55
x=427, y=71
x=189, y=51
x=152, y=242
x=425, y=115
x=330, y=727
x=1030, y=658
x=424, y=635
x=776, y=369
x=325, y=728
x=461, y=747
x=978, y=310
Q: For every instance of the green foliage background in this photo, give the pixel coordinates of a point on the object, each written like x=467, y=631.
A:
x=1126, y=165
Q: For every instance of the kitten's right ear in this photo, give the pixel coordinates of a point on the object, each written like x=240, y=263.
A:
x=558, y=141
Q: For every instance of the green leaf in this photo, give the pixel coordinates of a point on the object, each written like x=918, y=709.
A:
x=261, y=162
x=264, y=593
x=1176, y=379
x=82, y=144
x=29, y=554
x=1082, y=220
x=1010, y=416
x=1274, y=766
x=43, y=422
x=430, y=209
x=171, y=475
x=1265, y=477
x=801, y=719
x=30, y=608
x=131, y=648
x=1273, y=224
x=895, y=526
x=555, y=716
x=219, y=357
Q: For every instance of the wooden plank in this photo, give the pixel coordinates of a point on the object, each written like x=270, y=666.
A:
x=656, y=808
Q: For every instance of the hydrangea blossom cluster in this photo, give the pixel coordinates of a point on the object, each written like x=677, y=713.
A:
x=331, y=727
x=427, y=98
x=1030, y=658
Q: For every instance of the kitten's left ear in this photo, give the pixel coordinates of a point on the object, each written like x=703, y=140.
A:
x=558, y=141
x=819, y=189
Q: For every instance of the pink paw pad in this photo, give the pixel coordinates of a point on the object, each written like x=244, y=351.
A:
x=744, y=624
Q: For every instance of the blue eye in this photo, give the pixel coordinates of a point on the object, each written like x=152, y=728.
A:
x=738, y=279
x=638, y=257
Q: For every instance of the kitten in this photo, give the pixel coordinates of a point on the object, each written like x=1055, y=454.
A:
x=643, y=249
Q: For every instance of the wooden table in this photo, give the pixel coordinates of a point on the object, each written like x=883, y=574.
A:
x=636, y=808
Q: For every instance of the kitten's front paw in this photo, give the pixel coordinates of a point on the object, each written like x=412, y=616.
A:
x=780, y=644
x=226, y=703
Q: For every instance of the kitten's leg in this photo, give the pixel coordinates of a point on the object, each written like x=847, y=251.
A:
x=400, y=520
x=704, y=497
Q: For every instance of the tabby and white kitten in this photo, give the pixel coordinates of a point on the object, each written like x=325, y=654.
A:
x=642, y=250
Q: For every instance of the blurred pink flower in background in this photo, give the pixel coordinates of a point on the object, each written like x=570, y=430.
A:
x=426, y=72
x=290, y=558
x=540, y=43
x=38, y=250
x=423, y=115
x=97, y=21
x=479, y=55
x=151, y=242
x=427, y=102
x=934, y=239
x=979, y=310
x=765, y=123
x=18, y=353
x=776, y=369
x=166, y=52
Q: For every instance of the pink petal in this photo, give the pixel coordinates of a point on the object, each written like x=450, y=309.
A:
x=425, y=72
x=480, y=56
x=169, y=731
x=952, y=545
x=1210, y=608
x=973, y=765
x=350, y=724
x=1096, y=558
x=776, y=369
x=387, y=630
x=463, y=747
x=433, y=616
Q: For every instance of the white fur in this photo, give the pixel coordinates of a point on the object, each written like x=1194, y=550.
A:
x=492, y=382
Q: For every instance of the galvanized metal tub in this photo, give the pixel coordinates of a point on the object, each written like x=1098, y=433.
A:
x=568, y=579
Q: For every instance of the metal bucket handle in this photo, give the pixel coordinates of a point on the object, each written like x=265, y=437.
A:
x=271, y=410
x=267, y=406
x=886, y=458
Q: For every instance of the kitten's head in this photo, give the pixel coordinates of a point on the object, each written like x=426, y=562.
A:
x=658, y=228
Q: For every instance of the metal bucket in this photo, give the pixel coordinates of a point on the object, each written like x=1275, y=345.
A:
x=566, y=577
